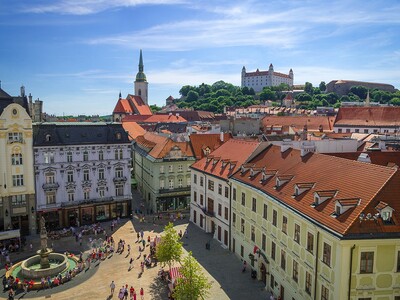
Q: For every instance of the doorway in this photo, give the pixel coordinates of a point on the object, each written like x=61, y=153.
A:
x=263, y=272
x=282, y=292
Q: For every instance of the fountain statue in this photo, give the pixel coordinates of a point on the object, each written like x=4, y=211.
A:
x=44, y=251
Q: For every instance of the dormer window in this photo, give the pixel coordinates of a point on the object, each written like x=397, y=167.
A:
x=386, y=212
x=216, y=160
x=282, y=179
x=300, y=188
x=343, y=205
x=254, y=171
x=232, y=165
x=322, y=196
x=266, y=174
x=224, y=162
x=48, y=137
x=245, y=167
x=209, y=158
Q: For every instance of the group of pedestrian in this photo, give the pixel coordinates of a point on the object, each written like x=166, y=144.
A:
x=125, y=291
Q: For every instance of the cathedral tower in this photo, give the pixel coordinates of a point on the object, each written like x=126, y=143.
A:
x=141, y=84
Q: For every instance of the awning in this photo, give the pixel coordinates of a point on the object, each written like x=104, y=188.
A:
x=174, y=273
x=10, y=234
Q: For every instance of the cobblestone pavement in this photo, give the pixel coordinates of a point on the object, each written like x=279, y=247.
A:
x=221, y=266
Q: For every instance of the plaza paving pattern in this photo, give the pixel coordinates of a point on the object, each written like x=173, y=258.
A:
x=220, y=265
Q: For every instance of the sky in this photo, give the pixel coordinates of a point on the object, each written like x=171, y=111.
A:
x=77, y=55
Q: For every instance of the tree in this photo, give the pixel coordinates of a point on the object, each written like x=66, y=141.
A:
x=267, y=94
x=308, y=88
x=322, y=86
x=154, y=108
x=360, y=91
x=169, y=250
x=185, y=90
x=192, y=96
x=395, y=101
x=193, y=284
x=302, y=97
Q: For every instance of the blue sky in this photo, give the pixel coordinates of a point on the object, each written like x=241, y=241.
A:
x=77, y=55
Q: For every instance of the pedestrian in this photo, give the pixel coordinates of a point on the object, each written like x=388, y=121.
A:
x=138, y=236
x=126, y=292
x=129, y=249
x=130, y=263
x=112, y=287
x=134, y=295
x=121, y=293
x=142, y=266
x=141, y=293
x=131, y=290
x=144, y=243
x=186, y=233
x=244, y=266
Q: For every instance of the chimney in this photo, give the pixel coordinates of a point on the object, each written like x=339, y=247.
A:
x=22, y=91
x=221, y=137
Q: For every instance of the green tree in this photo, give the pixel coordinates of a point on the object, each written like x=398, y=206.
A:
x=155, y=108
x=193, y=284
x=360, y=91
x=395, y=101
x=267, y=94
x=169, y=250
x=302, y=97
x=308, y=88
x=192, y=96
x=185, y=90
x=322, y=86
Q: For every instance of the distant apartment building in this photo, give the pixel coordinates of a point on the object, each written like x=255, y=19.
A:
x=260, y=79
x=82, y=172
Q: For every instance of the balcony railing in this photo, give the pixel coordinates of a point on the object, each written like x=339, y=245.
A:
x=120, y=179
x=208, y=212
x=50, y=186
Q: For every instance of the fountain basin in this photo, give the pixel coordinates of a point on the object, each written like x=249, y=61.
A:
x=30, y=268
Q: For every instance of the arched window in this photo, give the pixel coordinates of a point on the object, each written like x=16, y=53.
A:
x=48, y=137
x=16, y=159
x=140, y=92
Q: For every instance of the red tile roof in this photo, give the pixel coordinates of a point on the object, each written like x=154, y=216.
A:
x=133, y=129
x=313, y=123
x=200, y=142
x=382, y=158
x=132, y=105
x=226, y=159
x=155, y=119
x=351, y=179
x=368, y=116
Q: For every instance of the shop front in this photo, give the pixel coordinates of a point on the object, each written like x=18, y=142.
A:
x=172, y=203
x=52, y=218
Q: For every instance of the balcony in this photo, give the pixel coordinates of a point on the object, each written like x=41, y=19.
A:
x=50, y=186
x=84, y=202
x=208, y=212
x=174, y=190
x=120, y=179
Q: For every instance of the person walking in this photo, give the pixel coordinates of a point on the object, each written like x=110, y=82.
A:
x=129, y=249
x=112, y=287
x=141, y=293
x=130, y=263
x=131, y=290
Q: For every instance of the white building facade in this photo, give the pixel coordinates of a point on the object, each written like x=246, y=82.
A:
x=260, y=79
x=82, y=172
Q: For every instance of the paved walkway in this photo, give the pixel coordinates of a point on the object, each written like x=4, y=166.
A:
x=221, y=266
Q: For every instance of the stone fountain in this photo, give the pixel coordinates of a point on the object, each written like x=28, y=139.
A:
x=44, y=251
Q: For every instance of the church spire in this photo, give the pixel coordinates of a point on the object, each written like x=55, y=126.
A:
x=140, y=76
x=141, y=62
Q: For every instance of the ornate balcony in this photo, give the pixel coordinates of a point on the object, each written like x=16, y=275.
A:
x=50, y=186
x=120, y=179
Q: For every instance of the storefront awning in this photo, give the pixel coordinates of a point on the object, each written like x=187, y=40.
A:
x=174, y=273
x=10, y=234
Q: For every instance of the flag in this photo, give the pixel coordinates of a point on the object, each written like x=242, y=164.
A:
x=255, y=249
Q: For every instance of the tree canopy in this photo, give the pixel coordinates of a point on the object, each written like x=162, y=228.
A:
x=193, y=284
x=169, y=250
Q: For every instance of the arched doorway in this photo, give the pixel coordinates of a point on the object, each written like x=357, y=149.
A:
x=263, y=271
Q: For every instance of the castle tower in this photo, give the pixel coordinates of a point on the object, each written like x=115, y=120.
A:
x=141, y=84
x=291, y=76
x=243, y=75
x=270, y=75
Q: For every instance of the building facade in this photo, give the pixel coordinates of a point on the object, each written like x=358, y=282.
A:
x=17, y=188
x=162, y=171
x=260, y=79
x=82, y=172
x=312, y=232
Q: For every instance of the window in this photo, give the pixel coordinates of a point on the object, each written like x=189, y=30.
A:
x=274, y=217
x=210, y=185
x=308, y=283
x=86, y=195
x=264, y=242
x=162, y=184
x=219, y=209
x=195, y=196
x=273, y=250
x=48, y=157
x=284, y=225
x=119, y=172
x=241, y=251
x=220, y=189
x=15, y=137
x=171, y=168
x=283, y=259
x=119, y=190
x=101, y=174
x=324, y=293
x=86, y=175
x=254, y=205
x=50, y=178
x=180, y=182
x=162, y=171
x=194, y=216
x=201, y=199
x=170, y=183
x=297, y=233
x=327, y=254
x=398, y=262
x=366, y=131
x=18, y=200
x=295, y=271
x=188, y=181
x=253, y=233
x=272, y=282
x=101, y=192
x=234, y=194
x=101, y=155
x=85, y=156
x=226, y=192
x=243, y=199
x=194, y=178
x=226, y=213
x=71, y=196
x=265, y=212
x=69, y=157
x=367, y=262
x=201, y=181
x=51, y=198
x=70, y=176
x=233, y=219
x=242, y=225
x=16, y=159
x=310, y=242
x=18, y=180
x=180, y=168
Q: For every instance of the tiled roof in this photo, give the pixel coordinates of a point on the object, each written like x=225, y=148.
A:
x=265, y=73
x=335, y=178
x=159, y=146
x=368, y=116
x=313, y=123
x=382, y=158
x=235, y=151
x=133, y=129
x=132, y=105
x=200, y=142
x=155, y=119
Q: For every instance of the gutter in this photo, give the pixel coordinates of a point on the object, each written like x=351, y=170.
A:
x=351, y=263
